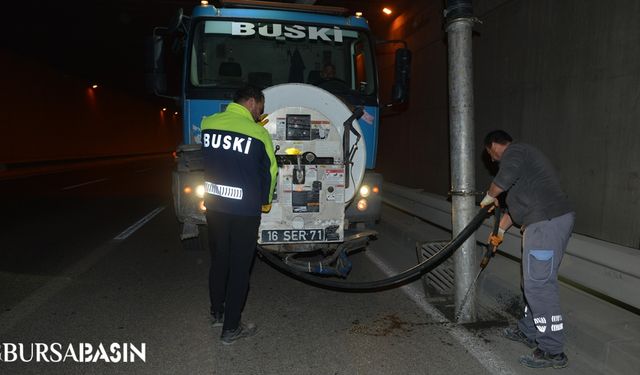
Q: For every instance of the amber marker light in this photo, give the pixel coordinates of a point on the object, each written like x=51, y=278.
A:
x=387, y=11
x=187, y=190
x=375, y=190
x=202, y=206
x=293, y=151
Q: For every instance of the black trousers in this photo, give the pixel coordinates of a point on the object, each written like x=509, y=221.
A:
x=232, y=243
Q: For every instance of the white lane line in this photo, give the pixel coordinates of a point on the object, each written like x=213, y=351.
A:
x=84, y=183
x=138, y=224
x=26, y=307
x=23, y=310
x=470, y=342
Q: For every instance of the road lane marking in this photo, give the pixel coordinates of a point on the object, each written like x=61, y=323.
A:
x=29, y=305
x=23, y=310
x=470, y=342
x=84, y=184
x=138, y=224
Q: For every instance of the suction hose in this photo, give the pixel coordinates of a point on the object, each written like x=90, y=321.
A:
x=394, y=281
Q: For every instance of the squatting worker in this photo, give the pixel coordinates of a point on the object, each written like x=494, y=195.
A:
x=537, y=203
x=240, y=175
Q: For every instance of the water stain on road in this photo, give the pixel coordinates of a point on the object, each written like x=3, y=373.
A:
x=392, y=325
x=387, y=325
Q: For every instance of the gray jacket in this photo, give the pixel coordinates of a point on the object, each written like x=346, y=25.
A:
x=534, y=191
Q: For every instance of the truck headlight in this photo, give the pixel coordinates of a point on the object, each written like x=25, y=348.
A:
x=200, y=191
x=364, y=191
x=362, y=204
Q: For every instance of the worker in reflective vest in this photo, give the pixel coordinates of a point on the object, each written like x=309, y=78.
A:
x=240, y=175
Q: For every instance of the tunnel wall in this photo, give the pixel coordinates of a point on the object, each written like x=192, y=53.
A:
x=51, y=116
x=562, y=75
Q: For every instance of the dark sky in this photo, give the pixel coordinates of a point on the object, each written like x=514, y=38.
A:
x=103, y=40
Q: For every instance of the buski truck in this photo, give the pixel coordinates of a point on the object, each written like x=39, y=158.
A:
x=317, y=67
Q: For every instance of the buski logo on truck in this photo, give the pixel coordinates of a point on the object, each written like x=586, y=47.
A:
x=278, y=31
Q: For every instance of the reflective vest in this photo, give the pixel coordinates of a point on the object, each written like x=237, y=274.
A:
x=239, y=162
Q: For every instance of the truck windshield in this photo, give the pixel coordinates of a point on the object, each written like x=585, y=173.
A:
x=229, y=54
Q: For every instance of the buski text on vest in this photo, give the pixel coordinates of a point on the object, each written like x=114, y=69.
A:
x=227, y=142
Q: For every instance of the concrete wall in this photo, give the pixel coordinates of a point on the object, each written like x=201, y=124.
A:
x=414, y=143
x=562, y=75
x=49, y=116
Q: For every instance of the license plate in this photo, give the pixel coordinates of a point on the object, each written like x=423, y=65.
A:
x=292, y=235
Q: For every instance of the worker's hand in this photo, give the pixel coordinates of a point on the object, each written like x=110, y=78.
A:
x=489, y=201
x=496, y=239
x=263, y=120
x=266, y=208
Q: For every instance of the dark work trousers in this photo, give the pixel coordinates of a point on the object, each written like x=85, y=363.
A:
x=544, y=244
x=232, y=243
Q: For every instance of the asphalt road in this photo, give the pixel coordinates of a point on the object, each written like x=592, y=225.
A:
x=66, y=279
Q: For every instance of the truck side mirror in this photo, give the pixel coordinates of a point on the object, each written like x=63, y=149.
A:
x=155, y=75
x=176, y=21
x=400, y=88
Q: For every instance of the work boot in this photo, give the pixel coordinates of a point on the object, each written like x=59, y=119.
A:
x=541, y=359
x=229, y=336
x=516, y=334
x=217, y=319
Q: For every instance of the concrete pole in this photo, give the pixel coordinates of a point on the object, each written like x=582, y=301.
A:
x=462, y=144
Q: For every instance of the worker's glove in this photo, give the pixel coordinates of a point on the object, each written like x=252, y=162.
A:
x=496, y=239
x=263, y=119
x=488, y=200
x=266, y=208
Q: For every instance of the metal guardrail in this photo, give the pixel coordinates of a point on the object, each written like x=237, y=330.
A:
x=606, y=268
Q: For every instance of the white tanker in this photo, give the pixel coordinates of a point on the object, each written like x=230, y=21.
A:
x=321, y=165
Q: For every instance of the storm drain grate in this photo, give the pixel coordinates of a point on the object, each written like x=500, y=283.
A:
x=441, y=278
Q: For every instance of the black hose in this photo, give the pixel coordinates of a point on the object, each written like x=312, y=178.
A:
x=391, y=282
